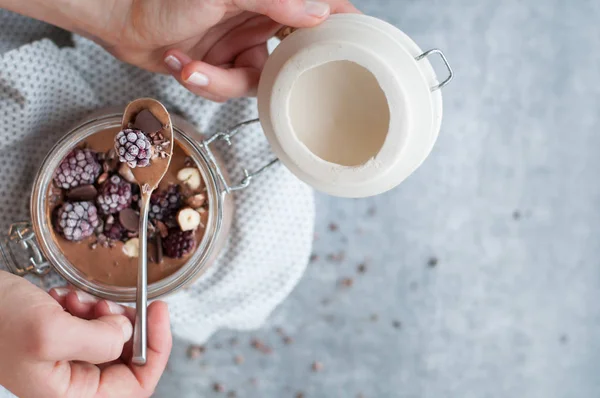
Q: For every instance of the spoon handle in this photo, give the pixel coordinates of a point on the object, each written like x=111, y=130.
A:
x=140, y=332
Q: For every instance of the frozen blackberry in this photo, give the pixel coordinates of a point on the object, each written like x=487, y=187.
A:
x=77, y=220
x=133, y=148
x=114, y=230
x=114, y=196
x=165, y=204
x=80, y=167
x=178, y=243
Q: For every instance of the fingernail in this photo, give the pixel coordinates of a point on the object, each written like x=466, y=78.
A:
x=316, y=8
x=85, y=298
x=127, y=329
x=173, y=63
x=197, y=79
x=61, y=291
x=115, y=308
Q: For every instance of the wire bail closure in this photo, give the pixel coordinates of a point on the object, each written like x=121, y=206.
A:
x=227, y=136
x=22, y=235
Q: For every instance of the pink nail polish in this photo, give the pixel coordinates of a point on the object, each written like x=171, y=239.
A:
x=173, y=63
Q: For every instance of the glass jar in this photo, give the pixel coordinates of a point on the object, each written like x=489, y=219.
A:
x=30, y=247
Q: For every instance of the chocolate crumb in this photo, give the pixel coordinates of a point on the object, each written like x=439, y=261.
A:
x=314, y=258
x=287, y=340
x=231, y=394
x=433, y=262
x=317, y=366
x=238, y=359
x=195, y=351
x=347, y=282
x=374, y=317
x=162, y=228
x=260, y=346
x=396, y=324
x=564, y=339
x=300, y=395
x=218, y=387
x=336, y=257
x=362, y=268
x=333, y=227
x=516, y=215
x=371, y=211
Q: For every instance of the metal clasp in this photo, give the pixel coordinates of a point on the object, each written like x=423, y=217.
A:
x=29, y=259
x=441, y=54
x=227, y=136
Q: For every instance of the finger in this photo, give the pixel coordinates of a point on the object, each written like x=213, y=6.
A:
x=59, y=336
x=296, y=13
x=229, y=83
x=105, y=307
x=175, y=61
x=60, y=295
x=81, y=304
x=254, y=32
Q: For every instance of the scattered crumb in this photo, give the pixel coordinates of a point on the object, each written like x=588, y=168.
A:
x=231, y=394
x=360, y=396
x=260, y=346
x=314, y=258
x=287, y=340
x=374, y=317
x=433, y=262
x=300, y=395
x=516, y=215
x=317, y=366
x=195, y=351
x=238, y=359
x=346, y=282
x=218, y=387
x=564, y=339
x=333, y=227
x=280, y=331
x=336, y=257
x=362, y=268
x=371, y=211
x=397, y=324
x=233, y=342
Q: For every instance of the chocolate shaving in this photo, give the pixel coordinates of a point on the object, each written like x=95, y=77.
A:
x=82, y=193
x=158, y=249
x=162, y=228
x=129, y=219
x=147, y=122
x=103, y=177
x=260, y=346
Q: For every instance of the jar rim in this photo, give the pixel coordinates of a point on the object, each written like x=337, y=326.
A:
x=42, y=225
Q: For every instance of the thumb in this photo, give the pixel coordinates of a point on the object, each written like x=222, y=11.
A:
x=295, y=13
x=95, y=341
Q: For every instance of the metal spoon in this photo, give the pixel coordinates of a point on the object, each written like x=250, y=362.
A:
x=148, y=179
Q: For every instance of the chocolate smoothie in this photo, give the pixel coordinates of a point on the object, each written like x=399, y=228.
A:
x=109, y=253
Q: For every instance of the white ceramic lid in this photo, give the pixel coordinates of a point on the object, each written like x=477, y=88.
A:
x=406, y=81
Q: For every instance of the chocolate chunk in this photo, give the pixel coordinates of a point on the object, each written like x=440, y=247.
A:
x=129, y=219
x=82, y=193
x=147, y=122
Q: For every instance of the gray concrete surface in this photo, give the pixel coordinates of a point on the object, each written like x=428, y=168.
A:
x=508, y=204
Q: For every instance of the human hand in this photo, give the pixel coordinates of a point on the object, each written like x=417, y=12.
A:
x=82, y=352
x=215, y=48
